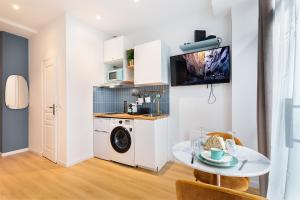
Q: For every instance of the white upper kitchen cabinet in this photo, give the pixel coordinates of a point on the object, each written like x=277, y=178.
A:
x=151, y=143
x=151, y=63
x=114, y=50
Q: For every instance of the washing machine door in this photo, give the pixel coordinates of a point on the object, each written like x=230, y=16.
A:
x=120, y=139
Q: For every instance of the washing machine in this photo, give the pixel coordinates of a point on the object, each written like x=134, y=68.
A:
x=122, y=142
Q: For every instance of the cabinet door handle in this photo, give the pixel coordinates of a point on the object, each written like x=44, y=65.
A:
x=98, y=131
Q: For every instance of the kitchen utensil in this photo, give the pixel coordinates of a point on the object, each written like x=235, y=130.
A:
x=140, y=101
x=243, y=164
x=193, y=157
x=135, y=92
x=194, y=137
x=132, y=108
x=232, y=163
x=148, y=99
x=216, y=154
x=207, y=155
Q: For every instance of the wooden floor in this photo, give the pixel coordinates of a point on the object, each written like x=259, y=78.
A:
x=29, y=176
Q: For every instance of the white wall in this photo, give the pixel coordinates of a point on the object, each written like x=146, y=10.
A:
x=188, y=105
x=244, y=71
x=84, y=70
x=223, y=8
x=48, y=44
x=78, y=50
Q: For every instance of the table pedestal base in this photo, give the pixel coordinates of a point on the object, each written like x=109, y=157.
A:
x=219, y=180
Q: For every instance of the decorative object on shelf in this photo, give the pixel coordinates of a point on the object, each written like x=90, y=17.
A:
x=215, y=142
x=211, y=37
x=199, y=35
x=130, y=58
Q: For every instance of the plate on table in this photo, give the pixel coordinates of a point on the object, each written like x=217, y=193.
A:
x=207, y=156
x=234, y=161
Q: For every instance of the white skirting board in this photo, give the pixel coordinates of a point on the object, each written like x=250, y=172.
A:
x=72, y=163
x=36, y=152
x=14, y=152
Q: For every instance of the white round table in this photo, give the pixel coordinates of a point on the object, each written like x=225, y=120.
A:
x=257, y=164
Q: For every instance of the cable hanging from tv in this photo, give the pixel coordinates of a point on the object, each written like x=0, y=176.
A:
x=212, y=98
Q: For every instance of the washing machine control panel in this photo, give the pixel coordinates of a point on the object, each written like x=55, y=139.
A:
x=122, y=122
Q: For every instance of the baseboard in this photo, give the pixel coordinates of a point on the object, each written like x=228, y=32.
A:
x=62, y=163
x=70, y=164
x=14, y=152
x=36, y=151
x=39, y=153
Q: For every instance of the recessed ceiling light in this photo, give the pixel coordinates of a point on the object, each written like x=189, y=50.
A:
x=136, y=1
x=16, y=6
x=98, y=17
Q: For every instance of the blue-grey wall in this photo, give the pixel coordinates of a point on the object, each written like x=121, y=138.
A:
x=14, y=61
x=1, y=91
x=112, y=99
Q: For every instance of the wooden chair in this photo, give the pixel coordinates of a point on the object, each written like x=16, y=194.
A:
x=235, y=183
x=188, y=190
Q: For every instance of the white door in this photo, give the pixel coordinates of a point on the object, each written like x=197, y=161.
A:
x=49, y=117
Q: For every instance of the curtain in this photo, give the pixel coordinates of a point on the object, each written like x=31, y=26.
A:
x=264, y=81
x=284, y=87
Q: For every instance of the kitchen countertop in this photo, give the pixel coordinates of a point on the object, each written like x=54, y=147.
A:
x=128, y=116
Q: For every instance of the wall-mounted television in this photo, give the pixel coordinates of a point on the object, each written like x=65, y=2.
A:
x=203, y=67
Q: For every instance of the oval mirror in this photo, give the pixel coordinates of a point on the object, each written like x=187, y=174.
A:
x=16, y=92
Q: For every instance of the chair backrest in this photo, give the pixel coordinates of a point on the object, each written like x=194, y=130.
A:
x=188, y=190
x=226, y=136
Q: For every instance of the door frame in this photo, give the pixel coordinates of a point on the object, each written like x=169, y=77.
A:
x=56, y=124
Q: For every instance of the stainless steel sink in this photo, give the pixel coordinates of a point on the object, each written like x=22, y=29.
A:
x=152, y=115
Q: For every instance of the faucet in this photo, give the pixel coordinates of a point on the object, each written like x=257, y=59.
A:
x=156, y=100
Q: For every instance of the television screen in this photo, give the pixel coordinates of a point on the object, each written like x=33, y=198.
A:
x=203, y=67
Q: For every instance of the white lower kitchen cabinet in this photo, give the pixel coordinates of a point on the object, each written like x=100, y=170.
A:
x=101, y=138
x=151, y=143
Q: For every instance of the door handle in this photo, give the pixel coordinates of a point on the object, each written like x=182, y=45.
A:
x=296, y=140
x=53, y=109
x=289, y=106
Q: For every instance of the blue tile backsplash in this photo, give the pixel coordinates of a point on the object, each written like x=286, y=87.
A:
x=112, y=99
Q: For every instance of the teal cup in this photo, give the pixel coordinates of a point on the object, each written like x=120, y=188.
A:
x=216, y=154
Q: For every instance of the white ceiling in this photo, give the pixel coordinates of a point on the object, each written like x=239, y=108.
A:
x=118, y=16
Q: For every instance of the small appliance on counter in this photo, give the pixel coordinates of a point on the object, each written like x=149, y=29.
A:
x=125, y=107
x=144, y=111
x=132, y=108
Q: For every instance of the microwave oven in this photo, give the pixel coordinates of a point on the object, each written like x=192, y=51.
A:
x=115, y=75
